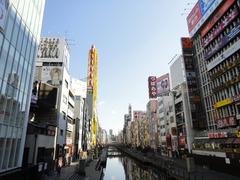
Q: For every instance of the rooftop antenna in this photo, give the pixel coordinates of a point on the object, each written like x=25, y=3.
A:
x=70, y=42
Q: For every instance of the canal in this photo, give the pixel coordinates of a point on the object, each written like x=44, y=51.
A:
x=120, y=166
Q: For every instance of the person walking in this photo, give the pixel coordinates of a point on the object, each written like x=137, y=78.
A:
x=59, y=166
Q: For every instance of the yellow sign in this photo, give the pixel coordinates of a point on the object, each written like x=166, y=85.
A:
x=223, y=103
x=238, y=133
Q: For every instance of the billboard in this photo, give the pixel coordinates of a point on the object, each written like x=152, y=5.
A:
x=205, y=5
x=194, y=17
x=3, y=13
x=229, y=18
x=226, y=122
x=234, y=32
x=206, y=8
x=52, y=75
x=92, y=70
x=217, y=16
x=186, y=43
x=224, y=55
x=49, y=48
x=152, y=86
x=163, y=84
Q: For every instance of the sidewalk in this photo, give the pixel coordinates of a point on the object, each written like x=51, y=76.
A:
x=66, y=173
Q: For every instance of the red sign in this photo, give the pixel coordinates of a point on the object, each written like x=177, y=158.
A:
x=228, y=19
x=194, y=17
x=90, y=68
x=217, y=16
x=186, y=43
x=226, y=122
x=152, y=86
x=181, y=141
x=217, y=135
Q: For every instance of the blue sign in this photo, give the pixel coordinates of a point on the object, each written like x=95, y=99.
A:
x=205, y=5
x=234, y=31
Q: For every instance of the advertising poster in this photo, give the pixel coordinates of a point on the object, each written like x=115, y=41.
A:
x=205, y=5
x=52, y=75
x=152, y=86
x=217, y=16
x=49, y=48
x=193, y=17
x=163, y=84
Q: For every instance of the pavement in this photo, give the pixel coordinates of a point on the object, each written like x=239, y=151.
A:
x=70, y=173
x=66, y=173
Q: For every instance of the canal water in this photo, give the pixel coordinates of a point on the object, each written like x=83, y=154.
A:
x=121, y=167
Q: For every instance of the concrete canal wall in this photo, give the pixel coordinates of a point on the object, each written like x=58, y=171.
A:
x=175, y=168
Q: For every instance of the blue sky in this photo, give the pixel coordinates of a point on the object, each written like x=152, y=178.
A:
x=134, y=38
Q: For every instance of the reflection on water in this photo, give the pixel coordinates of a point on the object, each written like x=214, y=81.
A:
x=122, y=167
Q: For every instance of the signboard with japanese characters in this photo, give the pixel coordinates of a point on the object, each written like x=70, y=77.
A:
x=217, y=135
x=226, y=122
x=152, y=86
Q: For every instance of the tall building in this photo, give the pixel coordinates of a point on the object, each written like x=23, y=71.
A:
x=20, y=25
x=167, y=125
x=186, y=101
x=151, y=114
x=80, y=91
x=127, y=119
x=215, y=36
x=52, y=67
x=92, y=88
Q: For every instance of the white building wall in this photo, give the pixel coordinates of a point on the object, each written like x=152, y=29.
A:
x=54, y=73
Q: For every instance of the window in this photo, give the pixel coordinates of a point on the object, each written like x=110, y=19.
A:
x=61, y=132
x=64, y=115
x=66, y=84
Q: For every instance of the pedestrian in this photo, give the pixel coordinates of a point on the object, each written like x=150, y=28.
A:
x=59, y=166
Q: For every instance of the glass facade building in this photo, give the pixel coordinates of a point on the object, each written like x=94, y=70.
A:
x=19, y=38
